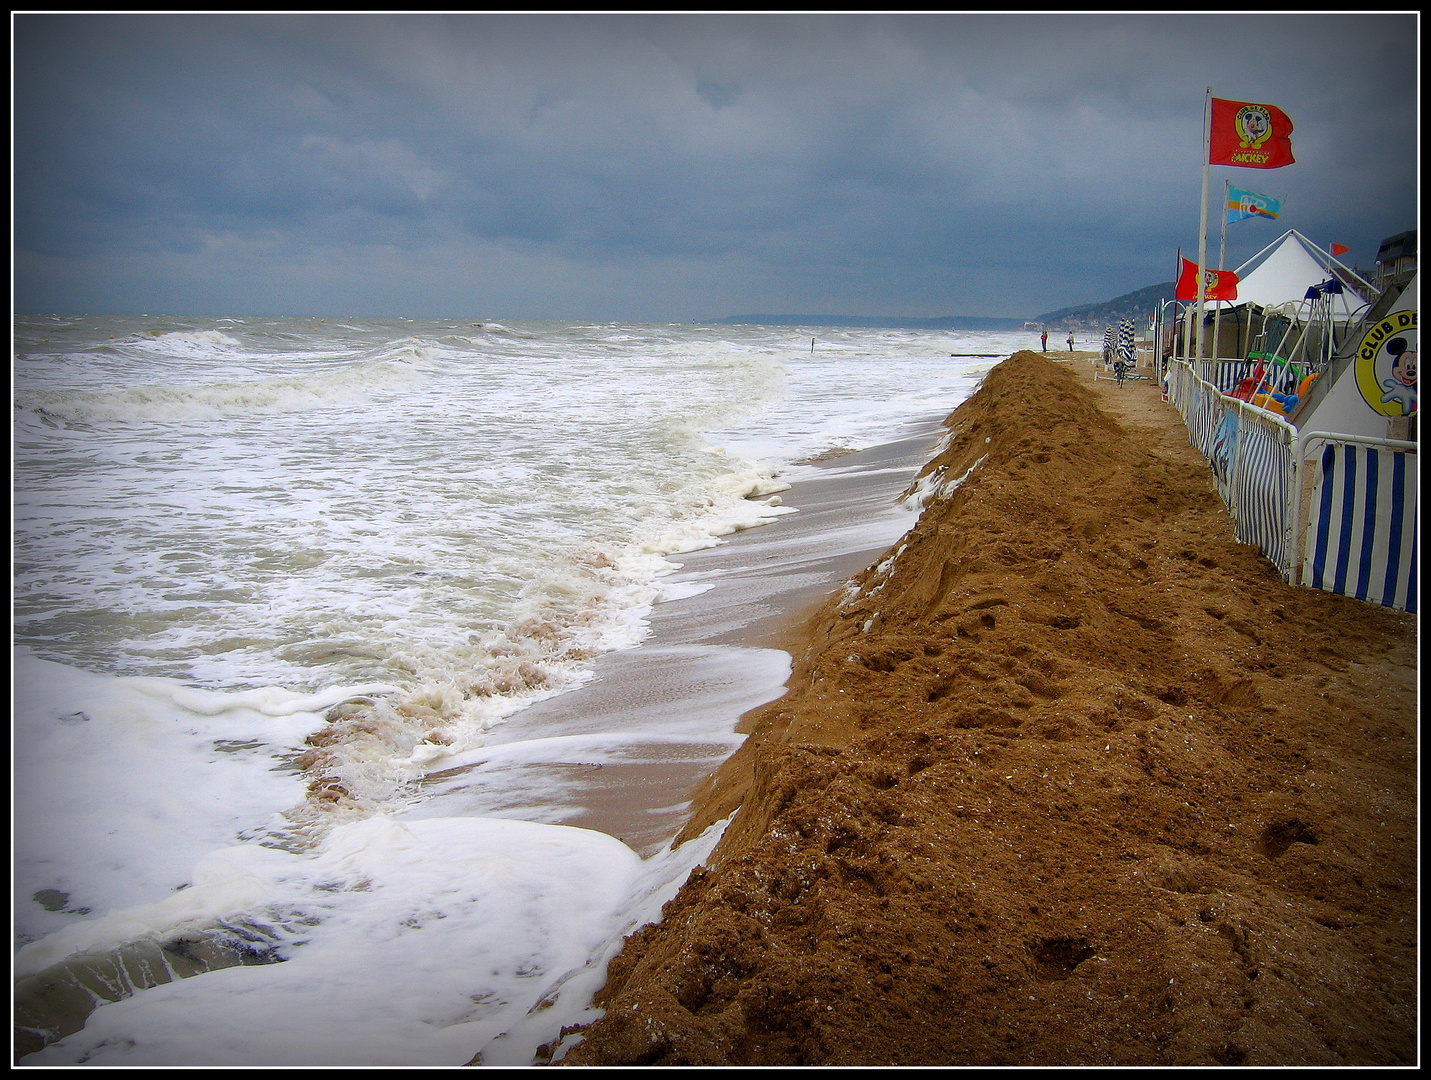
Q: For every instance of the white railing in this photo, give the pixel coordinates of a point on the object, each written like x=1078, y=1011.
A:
x=1251, y=454
x=1347, y=527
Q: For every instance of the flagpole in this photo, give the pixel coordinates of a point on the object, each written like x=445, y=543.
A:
x=1221, y=265
x=1202, y=218
x=1187, y=318
x=1177, y=274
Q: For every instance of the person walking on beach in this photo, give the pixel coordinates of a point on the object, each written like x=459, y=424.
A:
x=1045, y=341
x=1070, y=341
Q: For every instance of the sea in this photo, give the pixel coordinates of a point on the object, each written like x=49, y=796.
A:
x=346, y=732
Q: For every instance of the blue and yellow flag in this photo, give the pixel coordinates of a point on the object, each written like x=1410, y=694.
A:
x=1248, y=204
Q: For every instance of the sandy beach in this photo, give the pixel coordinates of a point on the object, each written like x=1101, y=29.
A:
x=1070, y=778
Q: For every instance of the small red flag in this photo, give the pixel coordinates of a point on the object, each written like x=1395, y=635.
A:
x=1339, y=249
x=1249, y=135
x=1217, y=284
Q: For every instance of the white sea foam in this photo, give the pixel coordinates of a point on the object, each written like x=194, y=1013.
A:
x=498, y=932
x=222, y=400
x=937, y=484
x=477, y=920
x=120, y=789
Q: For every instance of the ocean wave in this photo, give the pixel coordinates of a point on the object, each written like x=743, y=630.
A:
x=501, y=330
x=375, y=748
x=347, y=385
x=186, y=343
x=422, y=353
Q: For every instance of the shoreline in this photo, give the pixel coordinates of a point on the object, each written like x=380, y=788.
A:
x=711, y=653
x=623, y=753
x=1073, y=779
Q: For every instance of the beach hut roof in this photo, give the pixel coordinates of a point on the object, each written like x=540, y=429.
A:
x=1283, y=271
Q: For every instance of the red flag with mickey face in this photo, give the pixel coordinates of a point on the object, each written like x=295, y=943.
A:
x=1249, y=135
x=1218, y=284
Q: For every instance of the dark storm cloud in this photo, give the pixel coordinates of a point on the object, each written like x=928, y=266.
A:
x=673, y=167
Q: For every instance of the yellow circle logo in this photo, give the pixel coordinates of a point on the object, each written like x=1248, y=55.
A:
x=1386, y=364
x=1254, y=125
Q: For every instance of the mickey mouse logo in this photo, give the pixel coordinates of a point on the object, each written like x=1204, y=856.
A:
x=1254, y=126
x=1386, y=364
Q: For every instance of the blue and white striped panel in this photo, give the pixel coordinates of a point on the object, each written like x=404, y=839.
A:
x=1194, y=409
x=1260, y=483
x=1226, y=374
x=1222, y=374
x=1208, y=412
x=1361, y=539
x=1223, y=451
x=1126, y=332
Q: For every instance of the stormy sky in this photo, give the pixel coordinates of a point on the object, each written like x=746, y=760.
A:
x=673, y=168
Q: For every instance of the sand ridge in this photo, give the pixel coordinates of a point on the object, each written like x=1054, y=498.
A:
x=1066, y=777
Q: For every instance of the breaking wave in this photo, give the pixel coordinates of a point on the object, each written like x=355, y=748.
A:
x=218, y=400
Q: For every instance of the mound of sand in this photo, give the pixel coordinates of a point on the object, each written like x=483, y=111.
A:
x=1070, y=778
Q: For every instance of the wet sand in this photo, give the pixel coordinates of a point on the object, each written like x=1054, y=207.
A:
x=1075, y=779
x=624, y=753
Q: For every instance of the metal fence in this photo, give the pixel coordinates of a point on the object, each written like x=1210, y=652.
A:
x=1251, y=455
x=1345, y=522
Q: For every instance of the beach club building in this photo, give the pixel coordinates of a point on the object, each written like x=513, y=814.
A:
x=1303, y=398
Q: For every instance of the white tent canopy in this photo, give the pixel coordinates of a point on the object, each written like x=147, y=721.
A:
x=1282, y=272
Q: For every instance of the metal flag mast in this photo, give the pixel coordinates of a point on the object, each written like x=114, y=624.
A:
x=1202, y=218
x=1194, y=310
x=1221, y=266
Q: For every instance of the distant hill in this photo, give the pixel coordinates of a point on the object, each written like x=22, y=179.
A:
x=890, y=322
x=1138, y=306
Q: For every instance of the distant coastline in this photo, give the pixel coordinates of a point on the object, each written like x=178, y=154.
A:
x=1138, y=305
x=892, y=322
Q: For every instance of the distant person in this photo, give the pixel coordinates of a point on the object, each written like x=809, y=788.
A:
x=1045, y=341
x=1070, y=341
